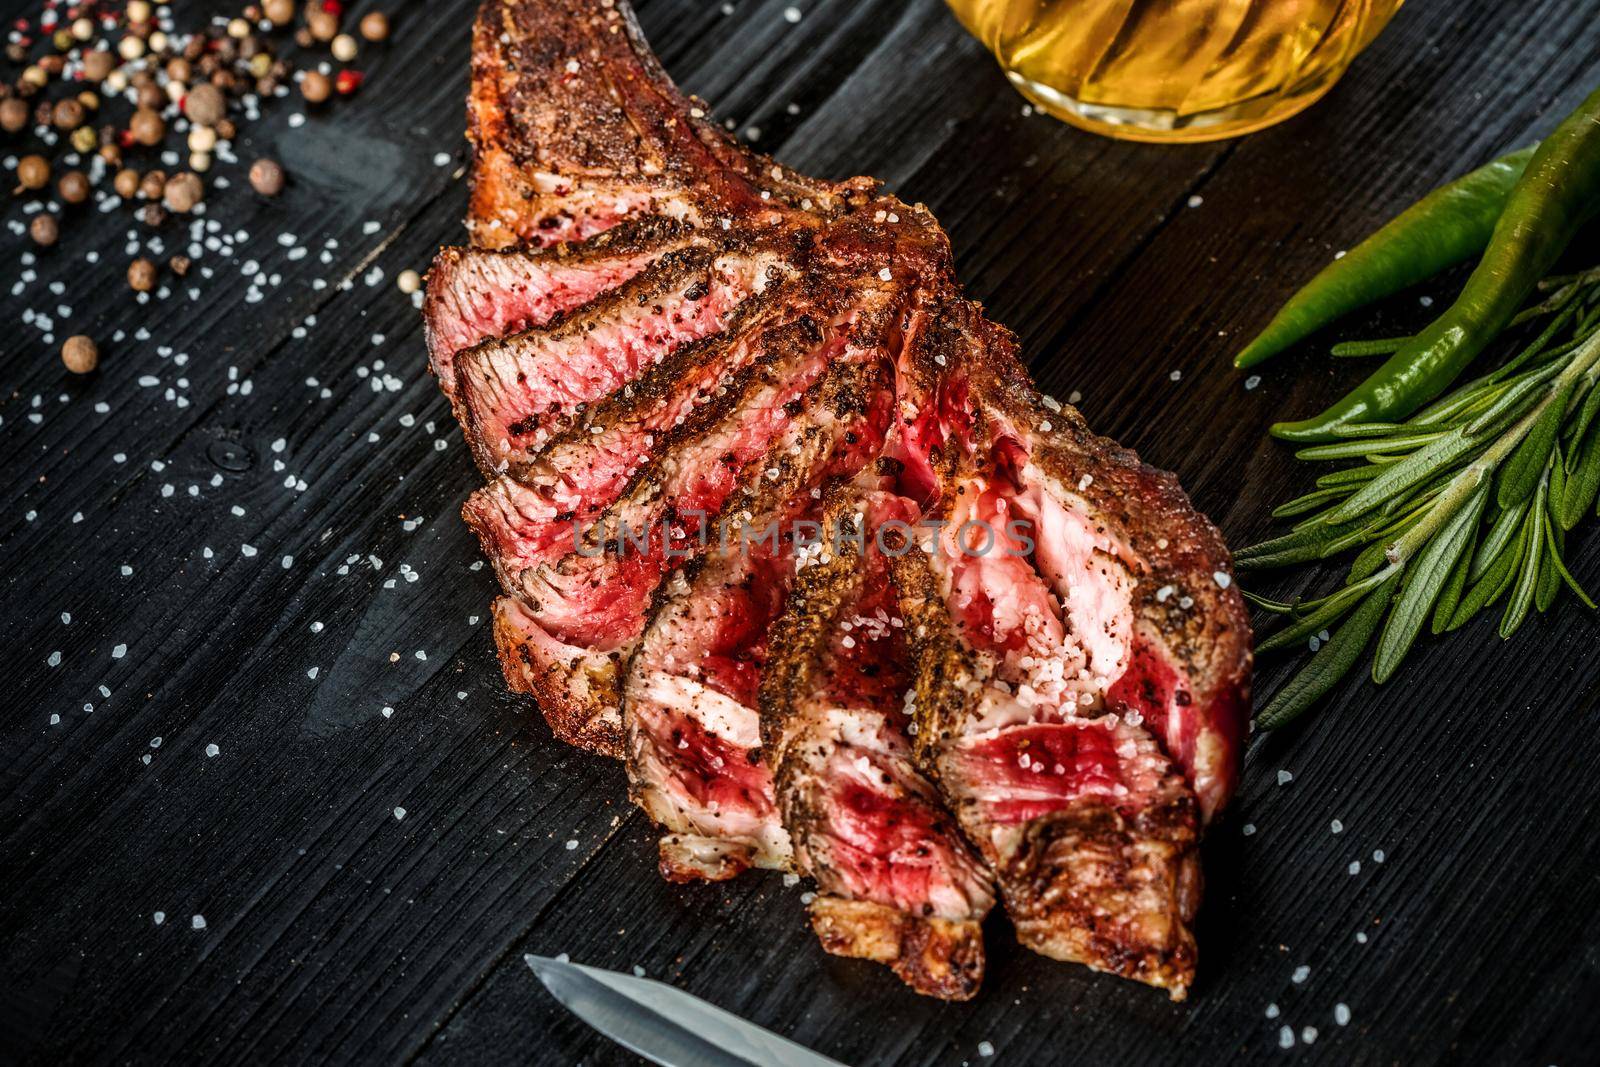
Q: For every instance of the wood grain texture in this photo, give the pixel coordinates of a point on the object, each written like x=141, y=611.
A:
x=337, y=932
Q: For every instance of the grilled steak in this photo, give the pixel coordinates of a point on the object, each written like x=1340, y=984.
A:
x=695, y=329
x=898, y=884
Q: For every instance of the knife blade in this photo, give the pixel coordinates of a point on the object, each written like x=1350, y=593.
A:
x=666, y=1025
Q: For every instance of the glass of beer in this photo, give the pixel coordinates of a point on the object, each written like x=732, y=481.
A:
x=1174, y=70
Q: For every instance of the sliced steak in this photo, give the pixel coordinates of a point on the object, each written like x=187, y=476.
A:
x=1031, y=610
x=897, y=884
x=1080, y=685
x=516, y=391
x=476, y=295
x=691, y=728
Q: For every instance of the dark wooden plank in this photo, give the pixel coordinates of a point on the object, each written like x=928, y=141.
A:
x=337, y=932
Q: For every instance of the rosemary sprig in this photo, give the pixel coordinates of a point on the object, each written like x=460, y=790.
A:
x=1463, y=504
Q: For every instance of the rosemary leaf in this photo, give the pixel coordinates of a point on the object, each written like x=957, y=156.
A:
x=1527, y=583
x=1331, y=663
x=1413, y=470
x=1332, y=609
x=1300, y=505
x=1506, y=526
x=1497, y=578
x=1522, y=473
x=1425, y=579
x=1450, y=596
x=1582, y=482
x=1566, y=575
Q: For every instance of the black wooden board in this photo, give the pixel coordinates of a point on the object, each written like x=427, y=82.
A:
x=268, y=569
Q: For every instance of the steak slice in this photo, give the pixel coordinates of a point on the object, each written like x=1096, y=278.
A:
x=586, y=581
x=516, y=391
x=897, y=882
x=476, y=295
x=575, y=127
x=1040, y=618
x=691, y=731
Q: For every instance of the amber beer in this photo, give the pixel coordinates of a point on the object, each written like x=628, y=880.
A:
x=1174, y=70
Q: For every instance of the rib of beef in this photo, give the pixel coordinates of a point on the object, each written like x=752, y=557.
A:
x=694, y=355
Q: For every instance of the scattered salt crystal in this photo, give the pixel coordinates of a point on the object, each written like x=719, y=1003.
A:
x=1355, y=867
x=792, y=15
x=1284, y=777
x=1272, y=1011
x=572, y=844
x=1341, y=1014
x=212, y=750
x=1336, y=827
x=198, y=922
x=399, y=813
x=160, y=917
x=1285, y=1037
x=118, y=651
x=1308, y=1034
x=387, y=711
x=985, y=1049
x=1249, y=829
x=1222, y=578
x=1378, y=856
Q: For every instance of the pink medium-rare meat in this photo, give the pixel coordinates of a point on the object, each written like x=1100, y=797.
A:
x=691, y=728
x=896, y=882
x=1079, y=698
x=586, y=599
x=516, y=391
x=533, y=516
x=476, y=295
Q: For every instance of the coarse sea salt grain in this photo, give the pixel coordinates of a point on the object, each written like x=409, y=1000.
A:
x=160, y=917
x=985, y=1049
x=212, y=750
x=1301, y=973
x=198, y=922
x=1285, y=777
x=399, y=813
x=1341, y=1014
x=571, y=844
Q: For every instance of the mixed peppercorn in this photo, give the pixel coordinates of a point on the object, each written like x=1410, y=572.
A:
x=116, y=83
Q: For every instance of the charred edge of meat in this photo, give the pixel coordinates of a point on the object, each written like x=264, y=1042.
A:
x=941, y=958
x=568, y=88
x=1118, y=892
x=581, y=713
x=687, y=858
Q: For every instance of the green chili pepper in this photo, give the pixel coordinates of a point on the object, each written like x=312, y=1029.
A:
x=1557, y=193
x=1446, y=227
